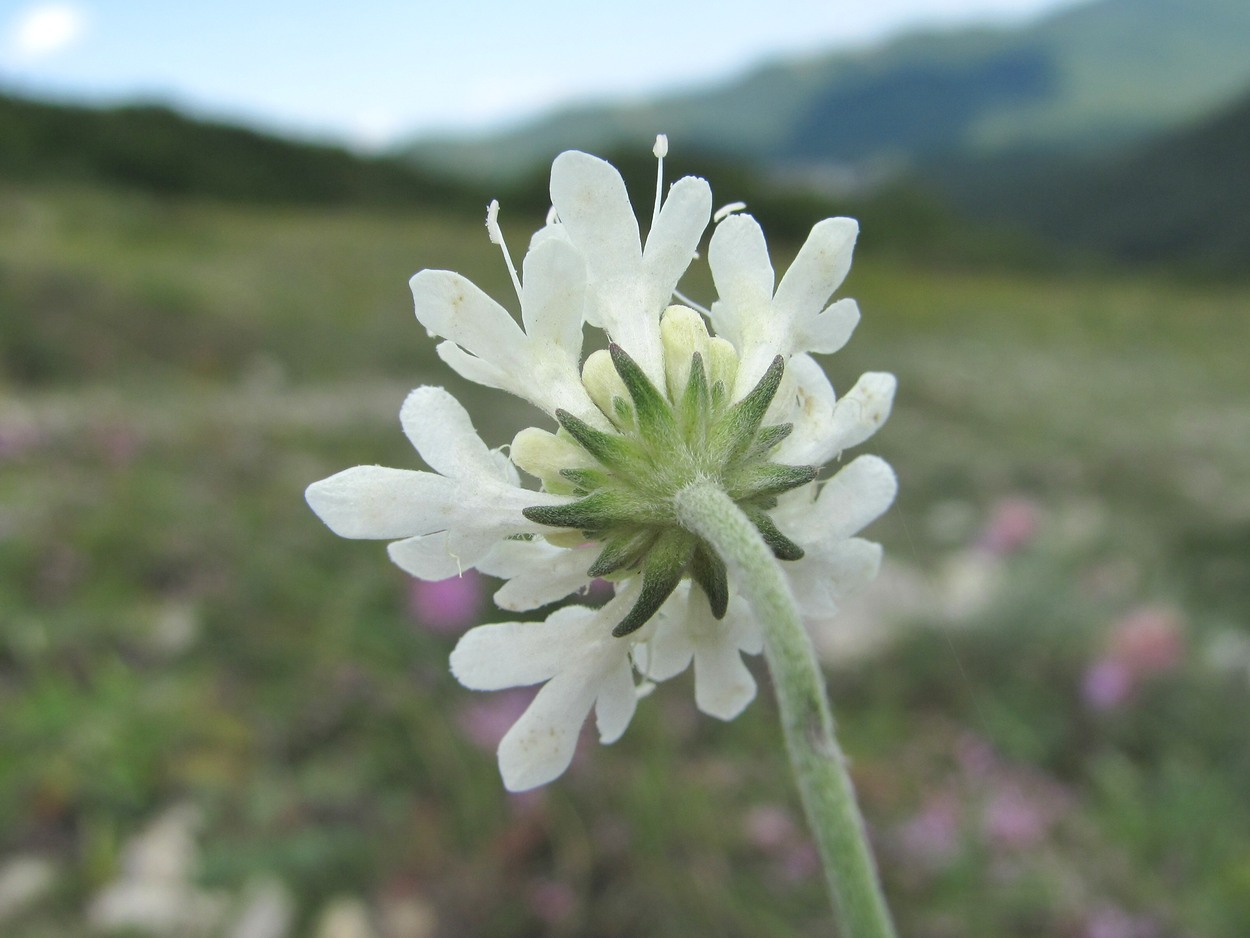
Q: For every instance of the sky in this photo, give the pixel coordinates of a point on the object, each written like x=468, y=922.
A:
x=378, y=71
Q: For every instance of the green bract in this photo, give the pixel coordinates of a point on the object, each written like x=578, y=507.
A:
x=661, y=442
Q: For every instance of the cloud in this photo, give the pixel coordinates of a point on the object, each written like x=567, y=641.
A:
x=45, y=29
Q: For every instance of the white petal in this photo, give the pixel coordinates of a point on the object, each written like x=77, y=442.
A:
x=853, y=565
x=549, y=576
x=861, y=412
x=723, y=685
x=453, y=307
x=554, y=296
x=515, y=654
x=674, y=239
x=812, y=587
x=590, y=663
x=812, y=415
x=479, y=530
x=441, y=430
x=615, y=702
x=860, y=492
x=428, y=557
x=832, y=329
x=590, y=198
x=540, y=745
x=746, y=632
x=818, y=269
x=472, y=368
x=670, y=650
x=377, y=502
x=743, y=274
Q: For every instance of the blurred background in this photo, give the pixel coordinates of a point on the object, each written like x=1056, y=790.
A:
x=217, y=719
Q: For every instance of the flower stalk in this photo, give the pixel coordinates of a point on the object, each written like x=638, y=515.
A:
x=807, y=721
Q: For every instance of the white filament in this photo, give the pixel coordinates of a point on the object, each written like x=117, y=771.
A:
x=496, y=237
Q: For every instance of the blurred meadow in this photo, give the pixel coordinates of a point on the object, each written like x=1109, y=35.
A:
x=216, y=713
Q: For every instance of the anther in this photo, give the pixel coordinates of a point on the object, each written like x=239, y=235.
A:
x=660, y=150
x=496, y=237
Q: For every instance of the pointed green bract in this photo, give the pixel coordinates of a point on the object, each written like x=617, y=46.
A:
x=782, y=547
x=662, y=570
x=622, y=551
x=605, y=447
x=660, y=446
x=769, y=437
x=735, y=431
x=584, y=481
x=710, y=573
x=624, y=413
x=769, y=479
x=696, y=403
x=599, y=511
x=655, y=413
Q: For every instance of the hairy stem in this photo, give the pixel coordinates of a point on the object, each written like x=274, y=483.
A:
x=818, y=764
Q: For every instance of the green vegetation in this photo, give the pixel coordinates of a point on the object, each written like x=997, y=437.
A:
x=1177, y=199
x=179, y=628
x=157, y=150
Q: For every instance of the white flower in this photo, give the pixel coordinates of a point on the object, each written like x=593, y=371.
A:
x=824, y=426
x=835, y=563
x=582, y=666
x=485, y=344
x=686, y=631
x=630, y=285
x=666, y=407
x=761, y=324
x=448, y=519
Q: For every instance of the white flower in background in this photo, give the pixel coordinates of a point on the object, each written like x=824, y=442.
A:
x=666, y=406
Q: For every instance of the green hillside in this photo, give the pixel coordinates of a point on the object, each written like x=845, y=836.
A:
x=155, y=149
x=1178, y=198
x=1094, y=75
x=169, y=157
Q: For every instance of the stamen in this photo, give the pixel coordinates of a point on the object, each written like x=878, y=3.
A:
x=660, y=150
x=496, y=237
x=726, y=210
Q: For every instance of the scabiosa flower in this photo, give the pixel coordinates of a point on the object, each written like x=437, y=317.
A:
x=668, y=406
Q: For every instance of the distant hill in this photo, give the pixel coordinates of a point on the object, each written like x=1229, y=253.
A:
x=1091, y=76
x=158, y=150
x=1181, y=197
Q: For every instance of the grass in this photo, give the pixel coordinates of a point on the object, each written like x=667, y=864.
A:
x=179, y=628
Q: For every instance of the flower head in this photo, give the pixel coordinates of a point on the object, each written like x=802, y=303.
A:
x=668, y=405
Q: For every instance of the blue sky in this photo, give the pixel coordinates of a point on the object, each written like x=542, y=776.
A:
x=384, y=69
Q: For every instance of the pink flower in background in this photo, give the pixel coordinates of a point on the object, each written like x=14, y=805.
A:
x=1150, y=640
x=975, y=756
x=1110, y=921
x=552, y=901
x=933, y=835
x=119, y=444
x=1010, y=808
x=1016, y=819
x=486, y=720
x=769, y=827
x=1012, y=526
x=1108, y=684
x=772, y=831
x=1146, y=642
x=447, y=607
x=17, y=439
